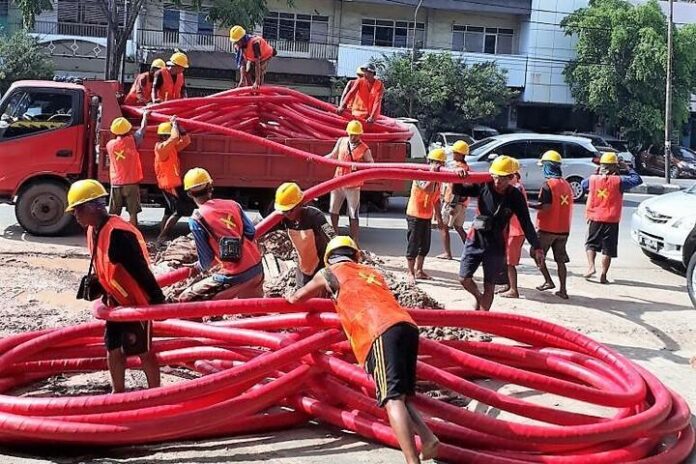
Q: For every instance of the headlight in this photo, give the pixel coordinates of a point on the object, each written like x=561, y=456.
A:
x=640, y=212
x=686, y=222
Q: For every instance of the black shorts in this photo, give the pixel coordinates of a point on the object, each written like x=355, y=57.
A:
x=179, y=203
x=392, y=362
x=604, y=237
x=132, y=338
x=418, y=237
x=494, y=264
x=555, y=242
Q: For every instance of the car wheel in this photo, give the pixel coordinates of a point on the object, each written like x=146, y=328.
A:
x=674, y=172
x=653, y=256
x=576, y=187
x=691, y=279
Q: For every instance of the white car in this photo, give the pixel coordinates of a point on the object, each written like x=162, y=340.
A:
x=661, y=225
x=527, y=148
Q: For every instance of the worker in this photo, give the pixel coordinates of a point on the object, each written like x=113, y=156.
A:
x=486, y=240
x=169, y=82
x=555, y=207
x=349, y=149
x=603, y=211
x=225, y=242
x=359, y=74
x=423, y=203
x=141, y=91
x=172, y=140
x=515, y=241
x=365, y=97
x=254, y=54
x=125, y=169
x=307, y=229
x=454, y=206
x=123, y=278
x=383, y=336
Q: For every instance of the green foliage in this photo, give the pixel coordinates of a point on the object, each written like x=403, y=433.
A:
x=30, y=8
x=621, y=66
x=442, y=92
x=22, y=58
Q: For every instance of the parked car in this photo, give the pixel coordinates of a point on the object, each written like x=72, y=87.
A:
x=602, y=144
x=577, y=153
x=447, y=139
x=683, y=163
x=660, y=225
x=690, y=261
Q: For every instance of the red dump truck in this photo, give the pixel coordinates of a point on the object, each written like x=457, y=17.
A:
x=53, y=133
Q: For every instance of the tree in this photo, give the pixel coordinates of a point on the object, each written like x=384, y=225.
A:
x=619, y=72
x=22, y=58
x=443, y=92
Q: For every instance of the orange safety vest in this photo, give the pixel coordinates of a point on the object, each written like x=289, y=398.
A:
x=447, y=188
x=223, y=218
x=266, y=49
x=367, y=99
x=421, y=203
x=170, y=89
x=117, y=282
x=143, y=85
x=556, y=219
x=515, y=228
x=365, y=306
x=167, y=166
x=605, y=200
x=124, y=161
x=345, y=153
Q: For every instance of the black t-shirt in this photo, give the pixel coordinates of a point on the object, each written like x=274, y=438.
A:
x=310, y=235
x=501, y=207
x=125, y=250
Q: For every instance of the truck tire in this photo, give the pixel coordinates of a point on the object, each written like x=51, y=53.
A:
x=40, y=209
x=691, y=279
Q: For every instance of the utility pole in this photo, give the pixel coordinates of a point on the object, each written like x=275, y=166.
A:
x=413, y=52
x=109, y=45
x=668, y=99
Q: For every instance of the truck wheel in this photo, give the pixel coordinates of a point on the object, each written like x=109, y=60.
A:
x=40, y=209
x=691, y=279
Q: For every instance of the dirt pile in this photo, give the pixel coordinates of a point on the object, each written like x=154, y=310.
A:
x=277, y=244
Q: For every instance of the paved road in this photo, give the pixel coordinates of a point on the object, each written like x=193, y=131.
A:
x=684, y=183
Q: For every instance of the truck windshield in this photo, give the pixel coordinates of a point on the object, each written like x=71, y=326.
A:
x=28, y=111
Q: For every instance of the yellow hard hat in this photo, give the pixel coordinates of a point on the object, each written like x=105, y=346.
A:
x=164, y=128
x=504, y=166
x=288, y=196
x=120, y=126
x=236, y=33
x=359, y=71
x=609, y=157
x=158, y=63
x=552, y=155
x=196, y=178
x=438, y=154
x=83, y=191
x=461, y=147
x=354, y=128
x=340, y=241
x=180, y=59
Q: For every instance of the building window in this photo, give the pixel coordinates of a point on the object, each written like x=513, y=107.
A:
x=388, y=33
x=296, y=27
x=4, y=7
x=170, y=26
x=478, y=39
x=205, y=30
x=84, y=18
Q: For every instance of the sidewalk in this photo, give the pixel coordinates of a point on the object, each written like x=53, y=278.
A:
x=657, y=186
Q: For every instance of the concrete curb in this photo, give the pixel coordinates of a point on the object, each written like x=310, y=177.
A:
x=656, y=189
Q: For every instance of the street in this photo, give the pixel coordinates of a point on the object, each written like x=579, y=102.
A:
x=644, y=313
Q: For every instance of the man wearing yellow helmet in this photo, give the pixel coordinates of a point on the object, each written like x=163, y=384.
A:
x=382, y=335
x=141, y=91
x=121, y=265
x=350, y=149
x=603, y=210
x=172, y=140
x=253, y=55
x=486, y=242
x=454, y=206
x=169, y=82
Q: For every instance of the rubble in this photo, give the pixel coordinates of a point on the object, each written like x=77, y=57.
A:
x=278, y=244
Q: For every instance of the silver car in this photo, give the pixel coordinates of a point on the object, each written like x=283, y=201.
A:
x=577, y=153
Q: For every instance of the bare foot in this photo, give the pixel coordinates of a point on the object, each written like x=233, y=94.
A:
x=693, y=362
x=562, y=294
x=423, y=276
x=429, y=449
x=411, y=279
x=603, y=279
x=444, y=256
x=546, y=286
x=504, y=289
x=510, y=294
x=589, y=273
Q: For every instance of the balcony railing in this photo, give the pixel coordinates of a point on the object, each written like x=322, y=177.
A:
x=72, y=29
x=221, y=43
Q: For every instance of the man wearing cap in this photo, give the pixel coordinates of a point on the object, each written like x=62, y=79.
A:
x=555, y=210
x=486, y=241
x=365, y=97
x=169, y=82
x=172, y=140
x=423, y=203
x=349, y=149
x=603, y=211
x=141, y=90
x=254, y=54
x=382, y=335
x=226, y=245
x=349, y=85
x=454, y=206
x=123, y=278
x=307, y=229
x=125, y=170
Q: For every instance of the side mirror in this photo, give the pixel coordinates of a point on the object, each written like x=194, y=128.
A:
x=491, y=157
